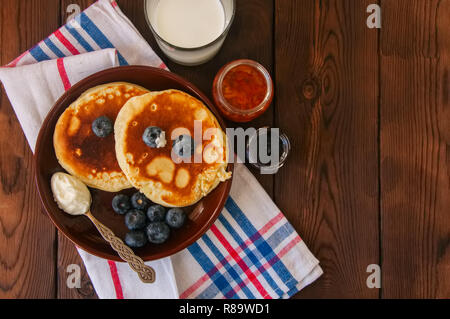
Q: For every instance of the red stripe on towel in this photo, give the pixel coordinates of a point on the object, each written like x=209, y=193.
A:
x=268, y=264
x=163, y=66
x=266, y=228
x=66, y=42
x=16, y=60
x=115, y=279
x=63, y=74
x=288, y=247
x=240, y=262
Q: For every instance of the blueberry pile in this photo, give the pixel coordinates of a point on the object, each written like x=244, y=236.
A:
x=147, y=222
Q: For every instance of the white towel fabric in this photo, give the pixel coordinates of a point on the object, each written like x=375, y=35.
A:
x=32, y=102
x=250, y=252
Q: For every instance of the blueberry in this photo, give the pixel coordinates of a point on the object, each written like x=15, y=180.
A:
x=154, y=137
x=156, y=213
x=136, y=239
x=102, y=126
x=139, y=201
x=121, y=204
x=158, y=233
x=135, y=219
x=184, y=146
x=175, y=218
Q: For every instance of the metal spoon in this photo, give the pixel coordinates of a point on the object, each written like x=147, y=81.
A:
x=73, y=197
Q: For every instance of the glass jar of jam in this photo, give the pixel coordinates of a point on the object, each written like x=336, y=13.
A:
x=243, y=90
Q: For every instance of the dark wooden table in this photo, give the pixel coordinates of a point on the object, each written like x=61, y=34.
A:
x=368, y=114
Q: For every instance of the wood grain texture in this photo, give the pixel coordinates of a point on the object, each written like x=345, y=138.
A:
x=327, y=85
x=415, y=149
x=27, y=237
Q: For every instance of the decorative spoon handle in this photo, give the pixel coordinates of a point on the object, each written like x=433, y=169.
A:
x=146, y=273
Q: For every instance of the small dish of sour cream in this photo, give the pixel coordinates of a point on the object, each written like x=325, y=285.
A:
x=190, y=32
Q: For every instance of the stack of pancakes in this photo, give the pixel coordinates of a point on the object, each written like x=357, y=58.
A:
x=122, y=160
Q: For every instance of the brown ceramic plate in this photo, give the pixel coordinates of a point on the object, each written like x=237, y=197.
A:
x=79, y=229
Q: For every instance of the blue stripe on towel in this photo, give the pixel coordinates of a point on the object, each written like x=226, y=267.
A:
x=207, y=265
x=54, y=48
x=249, y=253
x=38, y=54
x=79, y=38
x=233, y=273
x=97, y=35
x=264, y=248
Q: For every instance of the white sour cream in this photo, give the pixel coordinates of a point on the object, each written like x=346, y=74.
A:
x=188, y=23
x=71, y=195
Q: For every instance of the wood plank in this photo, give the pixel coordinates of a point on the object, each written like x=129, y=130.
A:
x=327, y=85
x=415, y=149
x=27, y=237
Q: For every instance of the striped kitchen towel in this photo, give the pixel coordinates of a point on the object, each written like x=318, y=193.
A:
x=250, y=252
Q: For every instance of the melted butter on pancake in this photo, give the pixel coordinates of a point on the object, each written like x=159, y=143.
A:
x=200, y=115
x=75, y=125
x=79, y=150
x=162, y=167
x=182, y=179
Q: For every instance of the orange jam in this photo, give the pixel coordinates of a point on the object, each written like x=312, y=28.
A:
x=244, y=87
x=243, y=90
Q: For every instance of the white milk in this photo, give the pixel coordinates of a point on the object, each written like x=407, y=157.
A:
x=190, y=27
x=189, y=23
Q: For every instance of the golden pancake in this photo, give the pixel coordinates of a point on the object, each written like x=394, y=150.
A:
x=79, y=151
x=153, y=171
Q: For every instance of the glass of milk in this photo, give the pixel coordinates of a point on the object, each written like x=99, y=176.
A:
x=190, y=32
